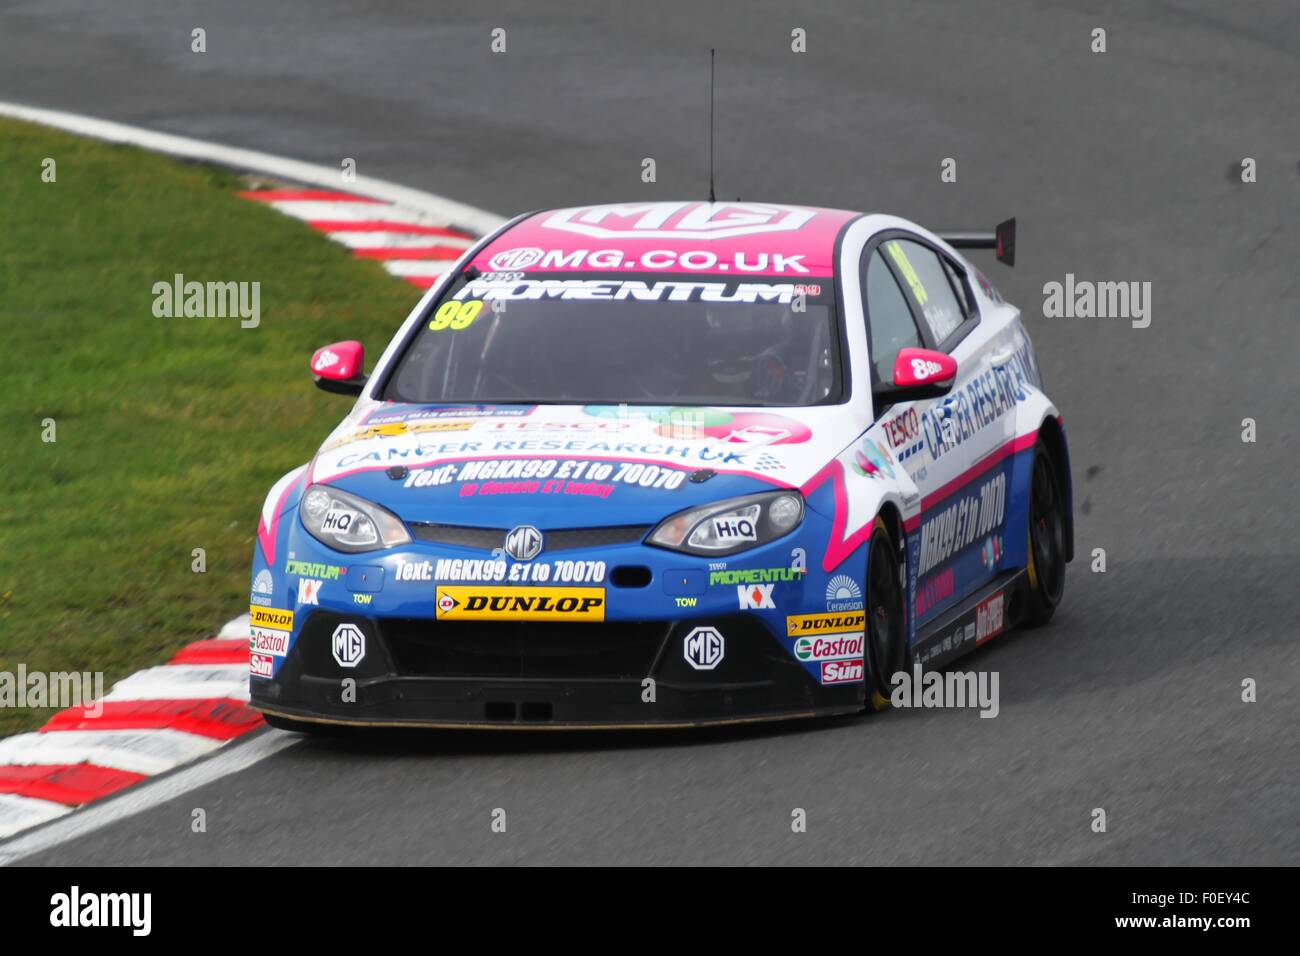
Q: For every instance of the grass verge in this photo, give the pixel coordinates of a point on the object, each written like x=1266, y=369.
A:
x=168, y=431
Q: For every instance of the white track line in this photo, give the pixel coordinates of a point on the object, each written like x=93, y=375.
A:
x=146, y=751
x=466, y=217
x=236, y=627
x=184, y=682
x=397, y=240
x=426, y=268
x=339, y=210
x=144, y=796
x=19, y=813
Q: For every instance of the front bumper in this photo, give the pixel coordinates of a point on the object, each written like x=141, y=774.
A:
x=431, y=673
x=417, y=636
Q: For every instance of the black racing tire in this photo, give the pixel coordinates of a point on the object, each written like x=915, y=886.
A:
x=885, y=639
x=1046, y=564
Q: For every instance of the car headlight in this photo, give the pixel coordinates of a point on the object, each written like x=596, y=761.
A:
x=345, y=522
x=726, y=527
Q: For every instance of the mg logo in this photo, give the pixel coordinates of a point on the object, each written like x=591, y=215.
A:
x=524, y=543
x=678, y=220
x=704, y=648
x=514, y=259
x=349, y=645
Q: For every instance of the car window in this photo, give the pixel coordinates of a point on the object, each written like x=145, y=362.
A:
x=641, y=338
x=890, y=325
x=960, y=287
x=927, y=285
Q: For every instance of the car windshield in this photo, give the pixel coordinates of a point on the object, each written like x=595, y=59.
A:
x=639, y=339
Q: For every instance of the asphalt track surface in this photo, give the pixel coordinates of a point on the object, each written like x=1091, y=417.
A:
x=1119, y=166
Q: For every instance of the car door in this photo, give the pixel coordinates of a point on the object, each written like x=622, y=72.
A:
x=949, y=446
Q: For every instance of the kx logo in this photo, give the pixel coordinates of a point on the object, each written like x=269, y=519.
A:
x=308, y=591
x=755, y=596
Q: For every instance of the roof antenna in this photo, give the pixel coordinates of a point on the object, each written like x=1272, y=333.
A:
x=712, y=53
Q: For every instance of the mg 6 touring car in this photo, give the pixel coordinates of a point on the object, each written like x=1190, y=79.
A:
x=666, y=464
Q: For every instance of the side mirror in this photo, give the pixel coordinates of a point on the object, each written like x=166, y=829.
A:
x=337, y=368
x=918, y=374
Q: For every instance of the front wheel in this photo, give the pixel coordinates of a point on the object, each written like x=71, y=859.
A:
x=886, y=620
x=1046, y=564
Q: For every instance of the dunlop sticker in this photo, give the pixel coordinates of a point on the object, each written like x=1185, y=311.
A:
x=470, y=603
x=801, y=625
x=271, y=617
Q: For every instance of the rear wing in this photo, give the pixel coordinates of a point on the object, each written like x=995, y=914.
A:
x=1002, y=240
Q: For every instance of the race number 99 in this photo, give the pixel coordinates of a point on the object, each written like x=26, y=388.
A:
x=455, y=315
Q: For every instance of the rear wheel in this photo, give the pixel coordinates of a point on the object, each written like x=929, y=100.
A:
x=1046, y=564
x=886, y=624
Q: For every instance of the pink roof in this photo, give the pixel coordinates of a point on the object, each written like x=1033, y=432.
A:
x=726, y=238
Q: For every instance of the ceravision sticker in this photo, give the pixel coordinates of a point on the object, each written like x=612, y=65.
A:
x=843, y=594
x=263, y=587
x=471, y=603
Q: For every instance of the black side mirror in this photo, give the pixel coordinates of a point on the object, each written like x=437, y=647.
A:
x=351, y=386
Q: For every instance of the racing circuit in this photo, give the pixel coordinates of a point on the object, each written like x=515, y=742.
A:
x=1122, y=166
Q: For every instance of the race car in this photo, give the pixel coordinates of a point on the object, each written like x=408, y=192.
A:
x=663, y=464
